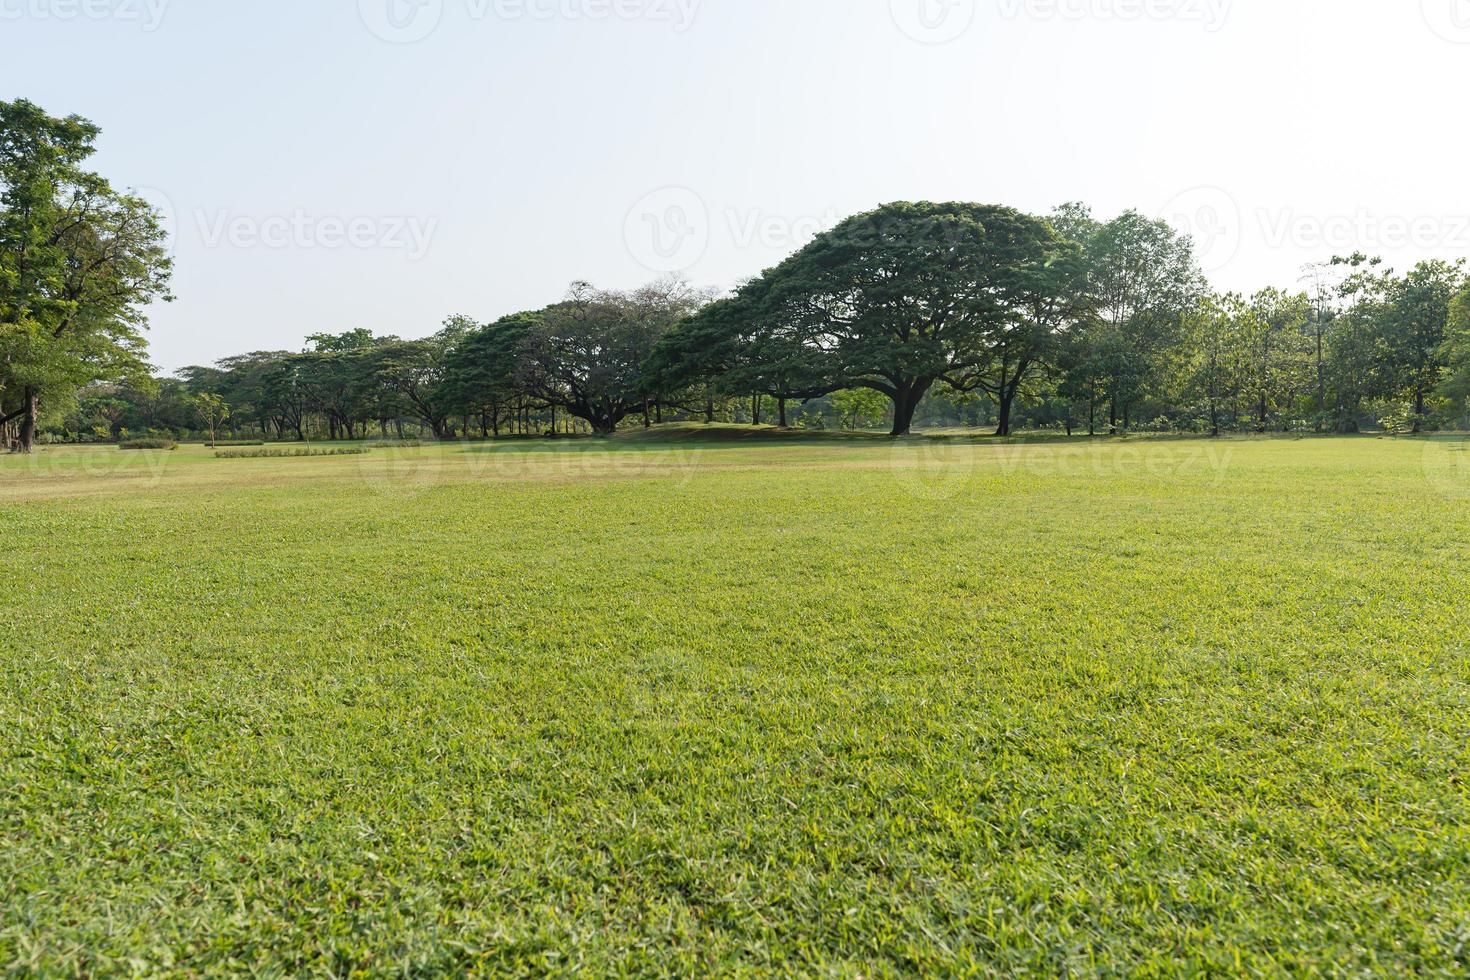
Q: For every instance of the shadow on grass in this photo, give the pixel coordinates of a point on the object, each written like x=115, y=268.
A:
x=665, y=437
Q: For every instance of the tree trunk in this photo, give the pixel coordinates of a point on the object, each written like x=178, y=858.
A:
x=1321, y=382
x=604, y=425
x=906, y=400
x=32, y=406
x=1003, y=408
x=782, y=402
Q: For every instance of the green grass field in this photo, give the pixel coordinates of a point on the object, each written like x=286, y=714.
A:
x=766, y=706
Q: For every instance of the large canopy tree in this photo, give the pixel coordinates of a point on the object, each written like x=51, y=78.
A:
x=78, y=262
x=589, y=355
x=910, y=295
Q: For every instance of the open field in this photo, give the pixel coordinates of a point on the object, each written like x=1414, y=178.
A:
x=673, y=705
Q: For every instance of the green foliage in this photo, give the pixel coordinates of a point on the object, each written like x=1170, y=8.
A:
x=79, y=261
x=909, y=295
x=480, y=370
x=590, y=355
x=149, y=444
x=860, y=408
x=800, y=707
x=1456, y=352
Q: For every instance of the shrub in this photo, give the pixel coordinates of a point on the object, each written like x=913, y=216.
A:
x=235, y=443
x=286, y=453
x=398, y=444
x=168, y=444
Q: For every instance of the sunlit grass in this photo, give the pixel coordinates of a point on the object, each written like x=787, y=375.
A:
x=665, y=705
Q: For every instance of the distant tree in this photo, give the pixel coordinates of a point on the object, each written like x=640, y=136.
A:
x=480, y=371
x=353, y=340
x=1456, y=353
x=1213, y=335
x=589, y=355
x=415, y=370
x=860, y=408
x=743, y=345
x=1277, y=369
x=1408, y=318
x=1143, y=279
x=213, y=412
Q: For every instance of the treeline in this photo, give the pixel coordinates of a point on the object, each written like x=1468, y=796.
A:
x=928, y=314
x=915, y=314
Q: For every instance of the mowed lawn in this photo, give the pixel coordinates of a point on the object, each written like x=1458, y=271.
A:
x=668, y=706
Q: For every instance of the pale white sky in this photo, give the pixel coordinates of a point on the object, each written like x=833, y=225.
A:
x=385, y=163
